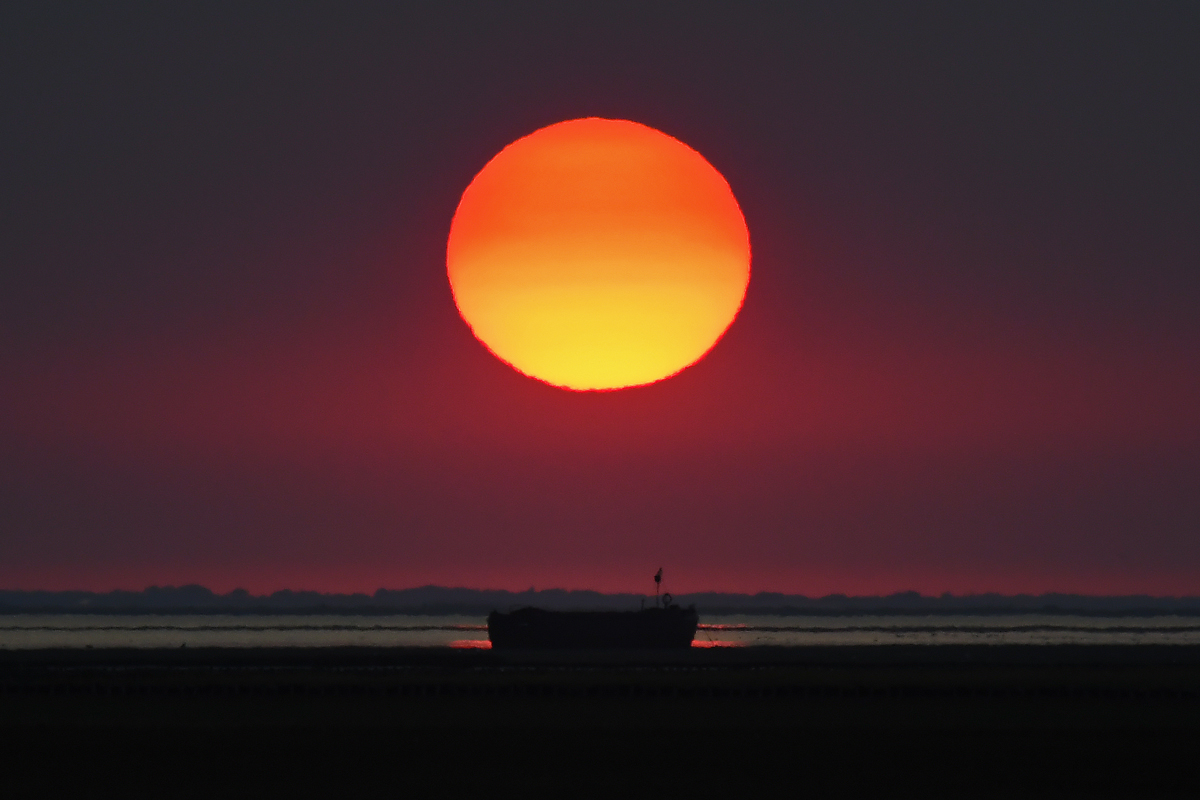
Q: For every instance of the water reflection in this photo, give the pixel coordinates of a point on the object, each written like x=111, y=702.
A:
x=795, y=631
x=25, y=631
x=471, y=644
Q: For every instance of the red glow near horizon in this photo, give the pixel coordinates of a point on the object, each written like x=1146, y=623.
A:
x=856, y=464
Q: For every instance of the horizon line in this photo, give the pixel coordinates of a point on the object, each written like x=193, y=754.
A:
x=902, y=594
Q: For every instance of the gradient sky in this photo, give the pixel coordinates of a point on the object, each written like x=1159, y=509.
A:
x=968, y=358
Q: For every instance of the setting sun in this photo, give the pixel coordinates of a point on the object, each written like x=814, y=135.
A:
x=598, y=254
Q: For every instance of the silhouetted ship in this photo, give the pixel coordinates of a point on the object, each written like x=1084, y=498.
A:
x=666, y=625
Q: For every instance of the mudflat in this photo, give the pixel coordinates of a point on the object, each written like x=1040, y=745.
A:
x=1040, y=720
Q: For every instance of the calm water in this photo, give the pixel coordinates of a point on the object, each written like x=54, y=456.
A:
x=21, y=631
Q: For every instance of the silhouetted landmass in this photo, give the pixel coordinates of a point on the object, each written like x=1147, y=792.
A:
x=445, y=600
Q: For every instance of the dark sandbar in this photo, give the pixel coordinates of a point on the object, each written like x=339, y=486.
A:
x=1007, y=718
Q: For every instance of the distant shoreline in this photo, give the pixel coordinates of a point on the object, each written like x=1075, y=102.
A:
x=439, y=611
x=441, y=601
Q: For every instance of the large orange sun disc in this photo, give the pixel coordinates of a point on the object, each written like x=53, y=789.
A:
x=598, y=254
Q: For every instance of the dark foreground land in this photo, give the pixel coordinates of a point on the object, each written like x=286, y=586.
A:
x=969, y=721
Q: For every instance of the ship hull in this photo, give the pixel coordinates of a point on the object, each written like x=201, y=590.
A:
x=530, y=628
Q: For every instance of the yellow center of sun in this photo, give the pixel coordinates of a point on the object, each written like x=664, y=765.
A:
x=598, y=254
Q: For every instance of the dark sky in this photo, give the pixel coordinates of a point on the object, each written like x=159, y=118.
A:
x=968, y=358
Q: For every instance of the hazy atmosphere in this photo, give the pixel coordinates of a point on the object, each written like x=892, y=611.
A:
x=967, y=359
